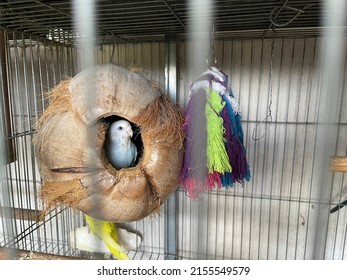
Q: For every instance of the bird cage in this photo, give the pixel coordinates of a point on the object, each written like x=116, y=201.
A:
x=272, y=52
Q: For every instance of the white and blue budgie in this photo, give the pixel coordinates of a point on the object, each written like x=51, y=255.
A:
x=101, y=236
x=104, y=237
x=120, y=151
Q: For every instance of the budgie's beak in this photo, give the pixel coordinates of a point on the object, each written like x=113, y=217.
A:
x=129, y=131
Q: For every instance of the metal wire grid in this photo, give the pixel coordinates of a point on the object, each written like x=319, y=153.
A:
x=34, y=67
x=158, y=19
x=275, y=215
x=269, y=218
x=240, y=223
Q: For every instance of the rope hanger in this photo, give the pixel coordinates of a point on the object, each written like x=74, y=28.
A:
x=113, y=44
x=274, y=23
x=211, y=60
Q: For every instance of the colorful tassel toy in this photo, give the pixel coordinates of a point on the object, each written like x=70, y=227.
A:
x=214, y=150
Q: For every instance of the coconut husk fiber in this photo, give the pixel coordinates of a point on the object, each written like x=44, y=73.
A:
x=71, y=134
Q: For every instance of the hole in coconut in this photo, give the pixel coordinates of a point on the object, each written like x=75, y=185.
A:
x=122, y=130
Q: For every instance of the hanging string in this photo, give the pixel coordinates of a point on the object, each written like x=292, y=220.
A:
x=113, y=44
x=273, y=19
x=113, y=47
x=273, y=24
x=212, y=57
x=268, y=119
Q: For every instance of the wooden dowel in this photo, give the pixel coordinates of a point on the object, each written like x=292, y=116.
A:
x=23, y=214
x=13, y=254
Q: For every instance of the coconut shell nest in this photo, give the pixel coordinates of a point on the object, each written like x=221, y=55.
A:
x=71, y=134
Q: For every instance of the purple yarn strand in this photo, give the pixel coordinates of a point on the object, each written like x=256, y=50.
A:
x=235, y=149
x=195, y=136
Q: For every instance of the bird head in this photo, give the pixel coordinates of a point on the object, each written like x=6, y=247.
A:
x=120, y=130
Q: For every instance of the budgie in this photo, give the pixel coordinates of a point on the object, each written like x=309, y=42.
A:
x=120, y=151
x=106, y=231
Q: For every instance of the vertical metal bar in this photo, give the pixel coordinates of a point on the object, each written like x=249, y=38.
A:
x=287, y=148
x=200, y=20
x=205, y=219
x=312, y=168
x=310, y=192
x=25, y=192
x=43, y=105
x=150, y=58
x=336, y=151
x=285, y=152
x=84, y=24
x=344, y=244
x=265, y=141
x=63, y=225
x=256, y=155
x=272, y=187
x=48, y=53
x=226, y=197
x=68, y=61
x=18, y=114
x=9, y=172
x=9, y=143
x=242, y=69
x=335, y=248
x=38, y=97
x=170, y=227
x=234, y=197
x=328, y=115
x=281, y=187
x=220, y=193
x=295, y=146
x=272, y=60
x=5, y=201
x=53, y=64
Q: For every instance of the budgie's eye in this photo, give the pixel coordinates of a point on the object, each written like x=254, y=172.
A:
x=120, y=128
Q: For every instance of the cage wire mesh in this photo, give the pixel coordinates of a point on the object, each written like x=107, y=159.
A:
x=277, y=79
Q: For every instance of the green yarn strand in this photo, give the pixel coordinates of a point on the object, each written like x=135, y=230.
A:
x=217, y=156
